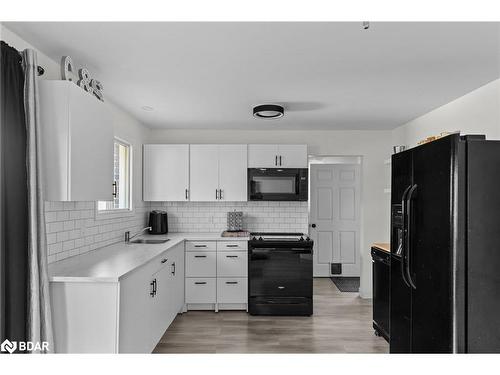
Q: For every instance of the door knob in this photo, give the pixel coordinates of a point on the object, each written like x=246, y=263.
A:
x=313, y=225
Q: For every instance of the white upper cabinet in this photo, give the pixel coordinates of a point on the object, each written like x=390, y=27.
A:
x=165, y=172
x=218, y=173
x=292, y=156
x=204, y=173
x=275, y=156
x=233, y=172
x=262, y=156
x=77, y=143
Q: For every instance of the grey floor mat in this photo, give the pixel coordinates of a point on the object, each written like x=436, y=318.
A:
x=346, y=284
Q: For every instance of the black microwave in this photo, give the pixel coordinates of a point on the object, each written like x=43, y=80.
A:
x=277, y=184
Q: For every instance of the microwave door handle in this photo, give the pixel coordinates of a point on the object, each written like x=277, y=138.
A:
x=408, y=235
x=403, y=236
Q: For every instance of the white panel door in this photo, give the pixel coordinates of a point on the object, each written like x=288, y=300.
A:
x=233, y=172
x=335, y=217
x=262, y=156
x=322, y=212
x=165, y=172
x=91, y=148
x=204, y=173
x=292, y=156
x=347, y=221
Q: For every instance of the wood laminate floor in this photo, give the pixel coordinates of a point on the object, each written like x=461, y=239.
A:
x=342, y=323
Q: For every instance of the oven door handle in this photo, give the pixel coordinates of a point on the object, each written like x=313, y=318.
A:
x=291, y=250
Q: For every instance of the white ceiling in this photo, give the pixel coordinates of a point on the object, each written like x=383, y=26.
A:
x=326, y=75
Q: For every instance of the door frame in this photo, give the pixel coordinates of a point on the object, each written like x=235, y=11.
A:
x=338, y=160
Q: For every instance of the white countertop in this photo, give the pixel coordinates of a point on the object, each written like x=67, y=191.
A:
x=111, y=263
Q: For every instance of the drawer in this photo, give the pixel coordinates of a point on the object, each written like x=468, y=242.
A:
x=201, y=245
x=232, y=245
x=201, y=264
x=232, y=264
x=232, y=290
x=201, y=290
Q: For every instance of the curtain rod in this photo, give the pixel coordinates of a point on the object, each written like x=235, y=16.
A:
x=39, y=69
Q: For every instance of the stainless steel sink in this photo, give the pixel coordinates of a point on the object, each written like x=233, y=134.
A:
x=149, y=241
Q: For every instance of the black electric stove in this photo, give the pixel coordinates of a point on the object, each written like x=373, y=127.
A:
x=280, y=274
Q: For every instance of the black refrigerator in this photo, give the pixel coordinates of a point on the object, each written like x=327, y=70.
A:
x=445, y=247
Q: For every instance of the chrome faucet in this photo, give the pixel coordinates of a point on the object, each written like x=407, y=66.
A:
x=127, y=234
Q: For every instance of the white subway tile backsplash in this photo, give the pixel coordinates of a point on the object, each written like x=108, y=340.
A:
x=73, y=228
x=257, y=216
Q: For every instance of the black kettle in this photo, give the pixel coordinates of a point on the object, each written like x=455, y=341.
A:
x=158, y=221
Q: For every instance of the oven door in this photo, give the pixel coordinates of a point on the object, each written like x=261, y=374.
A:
x=277, y=184
x=280, y=272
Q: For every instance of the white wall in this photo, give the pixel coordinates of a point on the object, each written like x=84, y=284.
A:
x=477, y=112
x=73, y=227
x=374, y=146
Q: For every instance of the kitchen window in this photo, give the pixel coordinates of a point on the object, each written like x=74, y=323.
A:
x=122, y=179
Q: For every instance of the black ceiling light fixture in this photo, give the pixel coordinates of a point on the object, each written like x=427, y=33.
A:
x=268, y=111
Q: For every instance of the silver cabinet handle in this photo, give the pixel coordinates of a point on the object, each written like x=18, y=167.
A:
x=200, y=282
x=200, y=256
x=276, y=160
x=231, y=282
x=216, y=194
x=200, y=245
x=281, y=287
x=220, y=194
x=163, y=260
x=173, y=271
x=231, y=256
x=187, y=194
x=232, y=245
x=280, y=160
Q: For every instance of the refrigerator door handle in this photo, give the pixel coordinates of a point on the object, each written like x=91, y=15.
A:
x=403, y=236
x=409, y=198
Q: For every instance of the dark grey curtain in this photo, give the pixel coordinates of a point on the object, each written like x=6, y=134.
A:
x=39, y=320
x=13, y=198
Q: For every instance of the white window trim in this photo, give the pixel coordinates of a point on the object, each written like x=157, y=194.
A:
x=105, y=214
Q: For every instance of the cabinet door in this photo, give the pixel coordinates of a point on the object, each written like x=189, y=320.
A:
x=161, y=310
x=262, y=156
x=136, y=304
x=292, y=156
x=204, y=172
x=177, y=270
x=233, y=172
x=91, y=148
x=166, y=172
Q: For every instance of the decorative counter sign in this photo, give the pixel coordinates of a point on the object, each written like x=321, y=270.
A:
x=91, y=85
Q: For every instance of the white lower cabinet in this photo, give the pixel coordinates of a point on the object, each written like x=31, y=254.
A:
x=201, y=290
x=232, y=290
x=150, y=299
x=201, y=264
x=128, y=316
x=216, y=275
x=232, y=264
